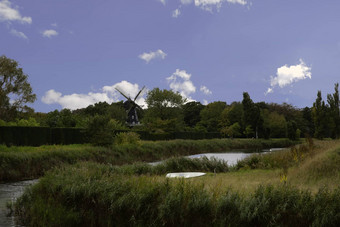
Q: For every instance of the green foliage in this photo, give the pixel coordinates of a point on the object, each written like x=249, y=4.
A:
x=30, y=122
x=191, y=111
x=211, y=116
x=319, y=116
x=334, y=112
x=89, y=194
x=233, y=130
x=15, y=91
x=17, y=163
x=278, y=159
x=164, y=111
x=277, y=125
x=101, y=129
x=127, y=138
x=249, y=131
x=36, y=136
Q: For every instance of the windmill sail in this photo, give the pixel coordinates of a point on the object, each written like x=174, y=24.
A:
x=131, y=108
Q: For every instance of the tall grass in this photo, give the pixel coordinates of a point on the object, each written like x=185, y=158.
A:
x=89, y=194
x=17, y=163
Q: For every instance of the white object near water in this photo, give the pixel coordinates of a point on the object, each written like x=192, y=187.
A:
x=185, y=175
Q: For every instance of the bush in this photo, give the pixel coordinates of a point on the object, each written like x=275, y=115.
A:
x=99, y=131
x=127, y=138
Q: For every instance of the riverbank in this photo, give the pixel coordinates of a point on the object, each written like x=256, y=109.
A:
x=302, y=191
x=20, y=163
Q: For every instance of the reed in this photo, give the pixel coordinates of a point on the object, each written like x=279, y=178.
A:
x=18, y=163
x=92, y=194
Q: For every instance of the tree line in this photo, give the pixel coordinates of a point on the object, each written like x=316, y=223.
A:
x=168, y=111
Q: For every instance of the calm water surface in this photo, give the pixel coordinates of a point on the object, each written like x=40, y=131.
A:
x=10, y=192
x=231, y=157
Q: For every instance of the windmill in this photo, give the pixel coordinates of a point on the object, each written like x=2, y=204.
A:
x=131, y=108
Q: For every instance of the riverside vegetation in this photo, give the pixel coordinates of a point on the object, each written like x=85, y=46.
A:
x=295, y=187
x=18, y=163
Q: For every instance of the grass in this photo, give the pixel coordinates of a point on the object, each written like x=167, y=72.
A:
x=92, y=194
x=251, y=194
x=19, y=163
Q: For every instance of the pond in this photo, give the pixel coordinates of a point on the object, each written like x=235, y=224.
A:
x=10, y=192
x=231, y=157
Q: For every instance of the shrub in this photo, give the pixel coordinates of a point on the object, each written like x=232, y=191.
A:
x=127, y=138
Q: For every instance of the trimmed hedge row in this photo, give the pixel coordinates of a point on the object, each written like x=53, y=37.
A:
x=37, y=136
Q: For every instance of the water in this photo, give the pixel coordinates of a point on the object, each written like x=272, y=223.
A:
x=231, y=157
x=10, y=192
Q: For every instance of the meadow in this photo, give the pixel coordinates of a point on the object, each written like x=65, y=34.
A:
x=298, y=186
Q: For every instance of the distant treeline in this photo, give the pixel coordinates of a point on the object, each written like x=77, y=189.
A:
x=168, y=112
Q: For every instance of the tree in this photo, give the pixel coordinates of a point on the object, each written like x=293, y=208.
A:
x=277, y=125
x=211, y=116
x=191, y=111
x=232, y=114
x=15, y=91
x=232, y=130
x=333, y=102
x=319, y=115
x=164, y=111
x=251, y=114
x=308, y=124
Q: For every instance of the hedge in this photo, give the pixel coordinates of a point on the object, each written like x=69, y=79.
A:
x=36, y=136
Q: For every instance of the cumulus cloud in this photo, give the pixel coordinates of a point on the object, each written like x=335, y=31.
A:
x=107, y=94
x=158, y=54
x=180, y=82
x=176, y=13
x=9, y=14
x=186, y=2
x=18, y=34
x=287, y=75
x=205, y=90
x=209, y=4
x=49, y=33
x=162, y=1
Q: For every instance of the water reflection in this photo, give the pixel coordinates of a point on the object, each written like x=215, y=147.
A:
x=10, y=192
x=231, y=157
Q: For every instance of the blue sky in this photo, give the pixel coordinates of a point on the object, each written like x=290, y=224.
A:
x=76, y=52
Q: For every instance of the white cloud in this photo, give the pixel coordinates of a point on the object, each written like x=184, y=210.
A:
x=49, y=33
x=186, y=2
x=158, y=54
x=176, y=13
x=209, y=4
x=205, y=90
x=128, y=89
x=287, y=75
x=180, y=82
x=108, y=94
x=162, y=1
x=205, y=102
x=18, y=34
x=8, y=13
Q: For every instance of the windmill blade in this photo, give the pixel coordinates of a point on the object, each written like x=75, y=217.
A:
x=139, y=93
x=122, y=93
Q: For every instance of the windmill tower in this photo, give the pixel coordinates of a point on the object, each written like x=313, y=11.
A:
x=131, y=108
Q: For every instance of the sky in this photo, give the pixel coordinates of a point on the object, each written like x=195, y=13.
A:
x=77, y=52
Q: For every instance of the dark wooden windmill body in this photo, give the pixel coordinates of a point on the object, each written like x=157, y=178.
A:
x=131, y=108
